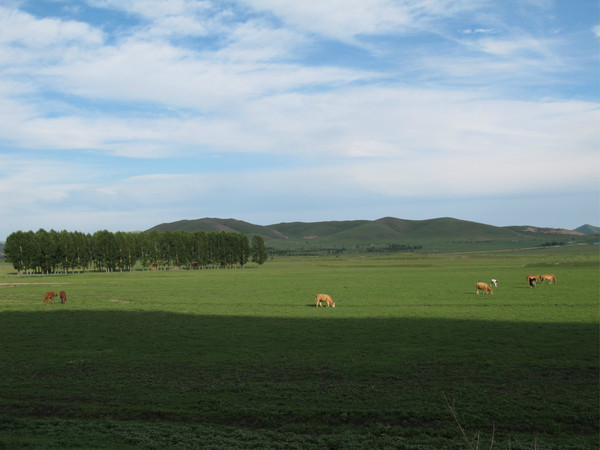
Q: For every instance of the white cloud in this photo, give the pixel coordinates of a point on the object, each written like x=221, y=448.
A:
x=340, y=19
x=154, y=9
x=257, y=41
x=26, y=31
x=508, y=47
x=358, y=121
x=478, y=31
x=477, y=176
x=159, y=73
x=346, y=20
x=30, y=184
x=166, y=19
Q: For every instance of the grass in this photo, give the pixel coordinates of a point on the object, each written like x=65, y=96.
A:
x=243, y=359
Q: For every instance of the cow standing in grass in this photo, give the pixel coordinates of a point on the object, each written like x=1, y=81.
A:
x=324, y=298
x=483, y=287
x=49, y=297
x=63, y=297
x=532, y=277
x=494, y=282
x=548, y=276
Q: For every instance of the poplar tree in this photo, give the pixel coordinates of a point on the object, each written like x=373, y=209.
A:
x=22, y=250
x=259, y=251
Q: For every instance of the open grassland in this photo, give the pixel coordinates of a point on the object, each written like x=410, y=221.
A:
x=241, y=358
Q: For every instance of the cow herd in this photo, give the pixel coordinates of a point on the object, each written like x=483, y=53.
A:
x=325, y=298
x=480, y=286
x=531, y=281
x=49, y=297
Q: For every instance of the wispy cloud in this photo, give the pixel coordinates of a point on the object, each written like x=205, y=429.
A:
x=28, y=32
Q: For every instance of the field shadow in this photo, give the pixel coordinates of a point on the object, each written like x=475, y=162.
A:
x=120, y=331
x=293, y=373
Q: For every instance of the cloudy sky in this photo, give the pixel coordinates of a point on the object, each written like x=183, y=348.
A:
x=123, y=114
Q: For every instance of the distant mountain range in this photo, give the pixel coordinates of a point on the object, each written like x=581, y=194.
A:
x=387, y=230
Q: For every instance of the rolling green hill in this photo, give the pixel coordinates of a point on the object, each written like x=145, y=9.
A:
x=387, y=231
x=588, y=229
x=214, y=224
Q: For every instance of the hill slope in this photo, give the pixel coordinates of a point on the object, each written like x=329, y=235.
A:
x=214, y=224
x=588, y=229
x=380, y=232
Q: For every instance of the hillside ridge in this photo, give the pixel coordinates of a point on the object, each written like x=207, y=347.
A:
x=386, y=230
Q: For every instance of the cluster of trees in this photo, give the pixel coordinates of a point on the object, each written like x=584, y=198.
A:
x=333, y=251
x=313, y=251
x=552, y=244
x=52, y=251
x=393, y=248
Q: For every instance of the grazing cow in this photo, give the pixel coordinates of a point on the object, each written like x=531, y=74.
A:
x=483, y=287
x=324, y=298
x=529, y=277
x=494, y=282
x=532, y=282
x=63, y=297
x=49, y=297
x=548, y=276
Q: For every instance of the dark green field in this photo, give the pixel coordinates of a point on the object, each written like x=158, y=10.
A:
x=241, y=358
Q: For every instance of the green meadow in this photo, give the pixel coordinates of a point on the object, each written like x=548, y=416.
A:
x=410, y=357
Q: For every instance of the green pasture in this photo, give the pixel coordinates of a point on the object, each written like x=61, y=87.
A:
x=241, y=358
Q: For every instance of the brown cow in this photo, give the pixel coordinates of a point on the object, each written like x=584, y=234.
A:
x=49, y=297
x=548, y=276
x=63, y=297
x=534, y=277
x=324, y=298
x=483, y=287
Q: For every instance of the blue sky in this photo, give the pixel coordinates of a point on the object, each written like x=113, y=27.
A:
x=121, y=115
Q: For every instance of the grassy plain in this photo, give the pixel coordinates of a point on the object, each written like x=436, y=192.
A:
x=241, y=358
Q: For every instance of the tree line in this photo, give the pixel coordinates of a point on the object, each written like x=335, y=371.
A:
x=53, y=251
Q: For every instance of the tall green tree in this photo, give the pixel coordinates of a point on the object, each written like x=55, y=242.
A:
x=105, y=250
x=126, y=250
x=22, y=250
x=143, y=247
x=154, y=254
x=243, y=249
x=83, y=250
x=199, y=249
x=48, y=242
x=171, y=247
x=259, y=250
x=231, y=248
x=65, y=249
x=14, y=250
